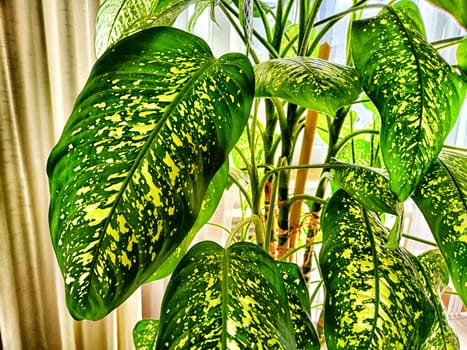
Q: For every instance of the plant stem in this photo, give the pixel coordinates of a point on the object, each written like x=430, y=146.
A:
x=303, y=197
x=305, y=37
x=227, y=9
x=305, y=158
x=243, y=190
x=420, y=240
x=329, y=22
x=269, y=241
x=350, y=137
x=264, y=19
x=442, y=44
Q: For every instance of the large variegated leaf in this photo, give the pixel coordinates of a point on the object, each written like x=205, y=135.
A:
x=150, y=129
x=306, y=337
x=230, y=298
x=211, y=200
x=367, y=185
x=441, y=197
x=434, y=275
x=457, y=8
x=309, y=82
x=117, y=19
x=373, y=297
x=415, y=90
x=145, y=334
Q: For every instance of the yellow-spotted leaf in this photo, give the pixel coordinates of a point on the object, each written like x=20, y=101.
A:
x=153, y=124
x=416, y=92
x=210, y=202
x=226, y=299
x=434, y=275
x=306, y=337
x=435, y=268
x=441, y=197
x=374, y=299
x=145, y=334
x=367, y=185
x=117, y=19
x=309, y=82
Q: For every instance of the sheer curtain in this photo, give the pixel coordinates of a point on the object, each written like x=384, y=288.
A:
x=46, y=55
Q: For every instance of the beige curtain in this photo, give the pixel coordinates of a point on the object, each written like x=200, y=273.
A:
x=45, y=58
x=46, y=54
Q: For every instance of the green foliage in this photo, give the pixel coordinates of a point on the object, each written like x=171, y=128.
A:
x=434, y=275
x=312, y=83
x=299, y=304
x=231, y=298
x=366, y=185
x=144, y=159
x=145, y=334
x=118, y=19
x=410, y=84
x=209, y=205
x=462, y=56
x=129, y=174
x=441, y=197
x=373, y=300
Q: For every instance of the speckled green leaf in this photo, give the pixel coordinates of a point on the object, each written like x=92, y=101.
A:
x=374, y=299
x=457, y=8
x=441, y=197
x=436, y=268
x=231, y=298
x=145, y=334
x=415, y=90
x=211, y=199
x=434, y=275
x=368, y=186
x=153, y=124
x=306, y=337
x=309, y=82
x=117, y=19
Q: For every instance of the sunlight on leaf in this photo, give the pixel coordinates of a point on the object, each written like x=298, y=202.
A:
x=461, y=55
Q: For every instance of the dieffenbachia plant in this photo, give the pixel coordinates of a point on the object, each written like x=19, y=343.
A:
x=144, y=159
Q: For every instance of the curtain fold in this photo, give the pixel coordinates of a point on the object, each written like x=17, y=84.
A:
x=46, y=54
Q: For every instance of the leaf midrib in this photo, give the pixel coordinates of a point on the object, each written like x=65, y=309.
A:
x=421, y=84
x=224, y=297
x=374, y=254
